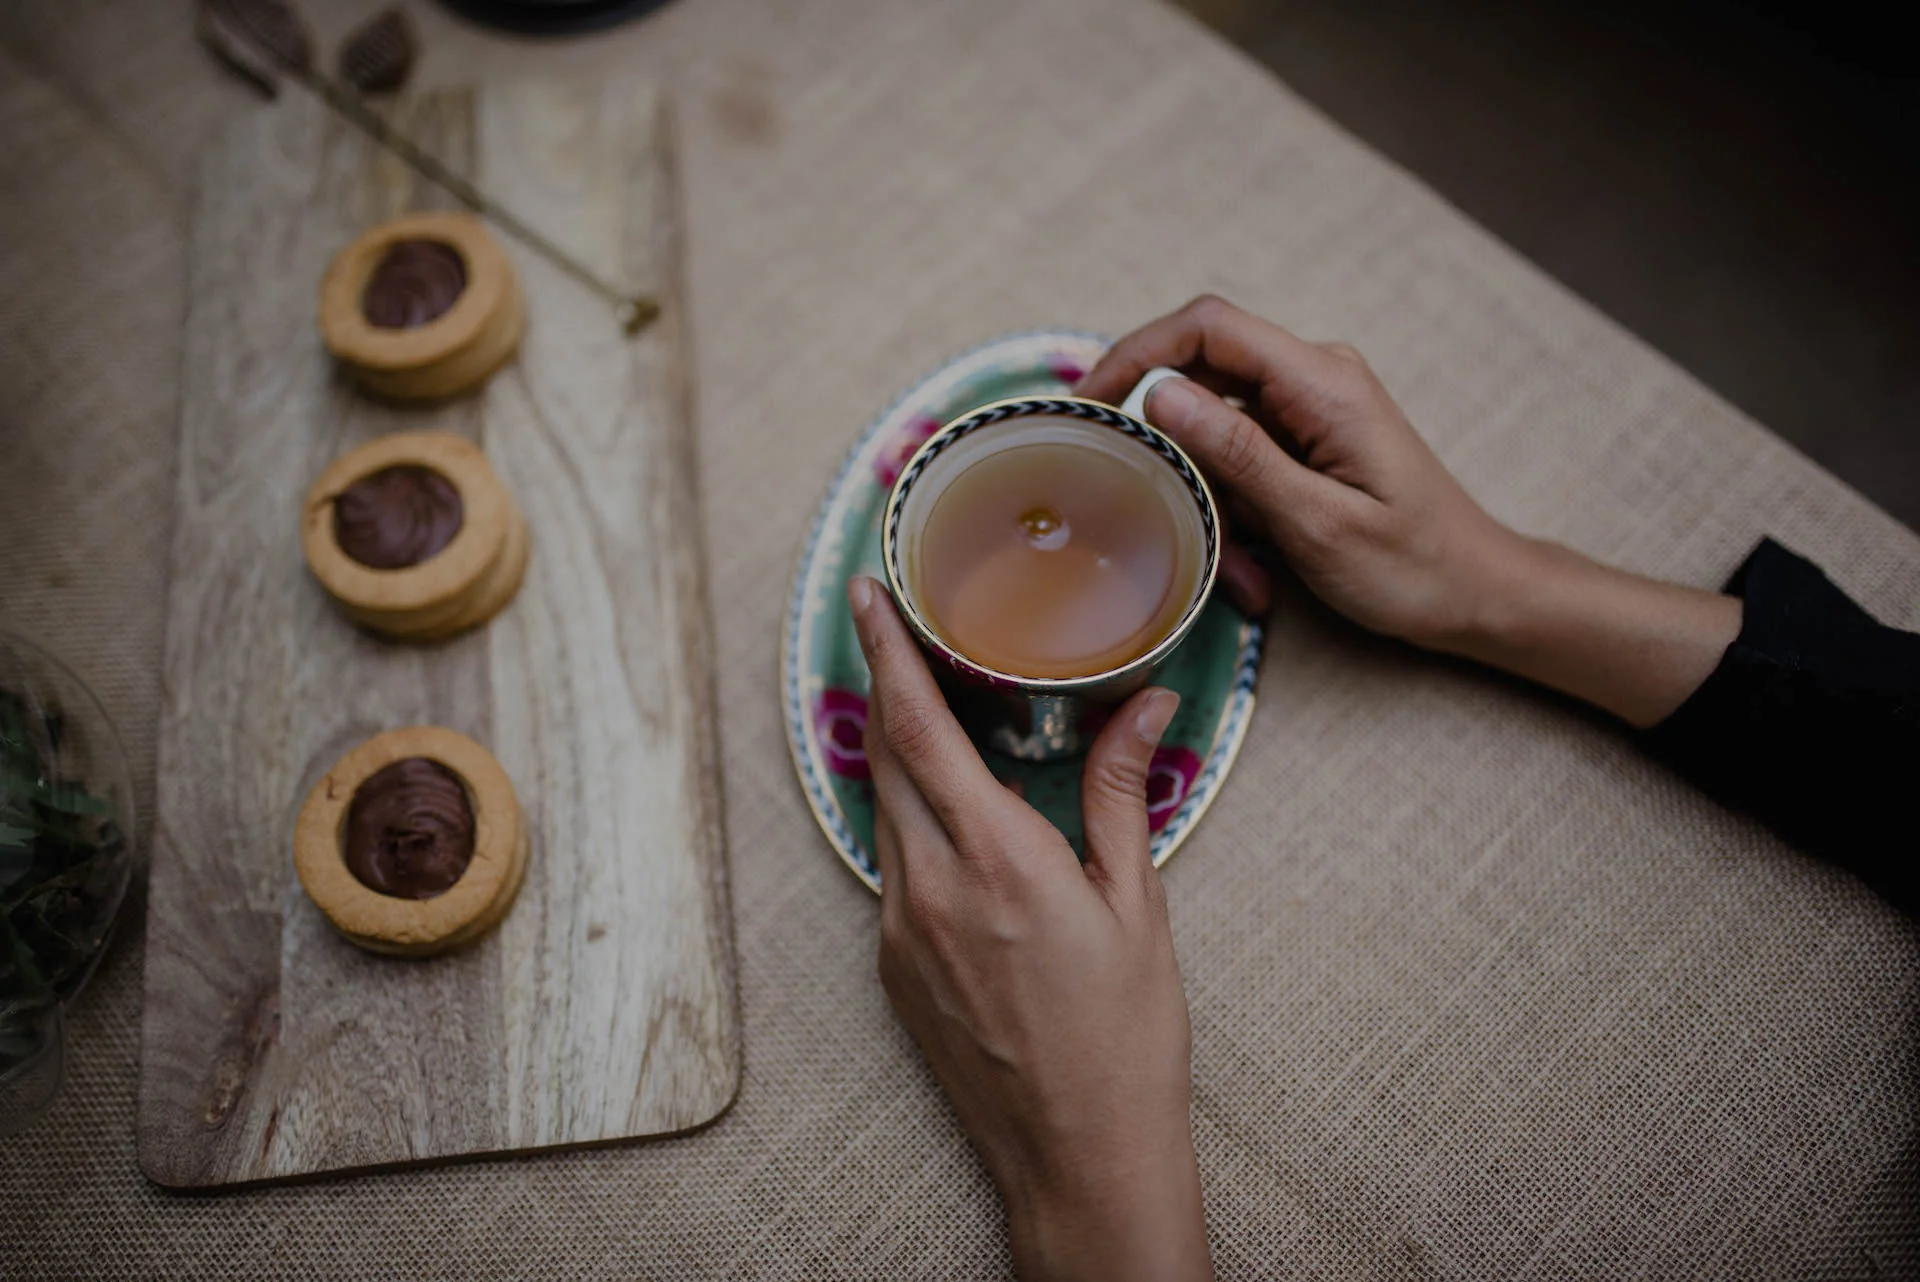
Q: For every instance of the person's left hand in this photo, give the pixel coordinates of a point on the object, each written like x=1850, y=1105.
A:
x=1045, y=995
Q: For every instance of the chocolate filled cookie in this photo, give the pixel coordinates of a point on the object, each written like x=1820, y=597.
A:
x=413, y=843
x=423, y=307
x=415, y=536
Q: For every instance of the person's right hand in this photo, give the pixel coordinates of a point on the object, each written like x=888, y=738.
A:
x=1324, y=463
x=1318, y=459
x=1044, y=992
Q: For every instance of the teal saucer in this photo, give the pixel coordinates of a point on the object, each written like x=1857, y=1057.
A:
x=824, y=680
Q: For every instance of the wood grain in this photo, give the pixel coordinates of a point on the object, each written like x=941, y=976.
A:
x=604, y=1007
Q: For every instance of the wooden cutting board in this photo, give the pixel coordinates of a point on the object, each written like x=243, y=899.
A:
x=604, y=1007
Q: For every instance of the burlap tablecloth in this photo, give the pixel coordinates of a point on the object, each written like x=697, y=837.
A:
x=1477, y=990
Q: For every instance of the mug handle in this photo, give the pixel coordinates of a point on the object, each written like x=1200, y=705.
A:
x=1136, y=402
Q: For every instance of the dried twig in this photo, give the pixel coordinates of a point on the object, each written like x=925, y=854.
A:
x=259, y=38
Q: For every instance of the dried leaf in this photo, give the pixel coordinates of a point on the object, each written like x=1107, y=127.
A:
x=234, y=51
x=379, y=55
x=257, y=38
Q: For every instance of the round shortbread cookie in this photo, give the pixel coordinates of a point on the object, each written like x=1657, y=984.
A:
x=450, y=353
x=477, y=900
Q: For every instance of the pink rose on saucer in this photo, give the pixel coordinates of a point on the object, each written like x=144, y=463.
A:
x=1068, y=372
x=840, y=720
x=894, y=454
x=1170, y=776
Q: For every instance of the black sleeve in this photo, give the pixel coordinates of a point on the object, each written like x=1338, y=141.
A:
x=1811, y=723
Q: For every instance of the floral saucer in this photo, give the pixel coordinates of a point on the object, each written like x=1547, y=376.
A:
x=824, y=680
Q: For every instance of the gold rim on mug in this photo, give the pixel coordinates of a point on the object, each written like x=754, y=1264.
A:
x=1087, y=410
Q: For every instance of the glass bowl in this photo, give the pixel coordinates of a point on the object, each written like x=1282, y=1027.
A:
x=66, y=861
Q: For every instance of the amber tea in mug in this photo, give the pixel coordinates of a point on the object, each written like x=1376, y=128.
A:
x=1054, y=548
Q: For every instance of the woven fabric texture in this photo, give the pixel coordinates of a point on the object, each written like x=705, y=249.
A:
x=1478, y=991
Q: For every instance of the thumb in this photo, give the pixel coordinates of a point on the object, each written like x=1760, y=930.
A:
x=1113, y=791
x=1233, y=450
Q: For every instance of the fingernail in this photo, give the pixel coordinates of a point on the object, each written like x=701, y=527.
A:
x=1151, y=721
x=1171, y=403
x=860, y=593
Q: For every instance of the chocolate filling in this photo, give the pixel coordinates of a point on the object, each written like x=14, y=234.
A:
x=409, y=831
x=415, y=281
x=397, y=517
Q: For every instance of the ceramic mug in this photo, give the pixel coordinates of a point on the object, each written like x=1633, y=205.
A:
x=1037, y=718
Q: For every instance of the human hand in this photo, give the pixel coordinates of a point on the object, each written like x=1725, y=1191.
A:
x=1045, y=995
x=1323, y=463
x=1318, y=459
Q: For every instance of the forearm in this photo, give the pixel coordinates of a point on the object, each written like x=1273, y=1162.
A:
x=1109, y=1221
x=1811, y=722
x=1633, y=646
